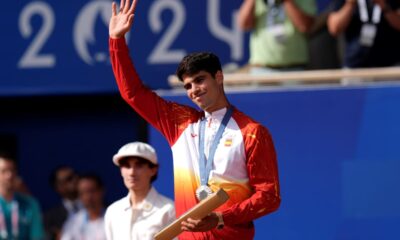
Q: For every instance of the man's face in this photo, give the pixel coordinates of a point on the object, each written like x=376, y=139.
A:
x=66, y=183
x=8, y=174
x=90, y=194
x=205, y=90
x=137, y=174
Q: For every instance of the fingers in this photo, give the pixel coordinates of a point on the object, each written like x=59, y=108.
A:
x=192, y=225
x=133, y=7
x=122, y=5
x=114, y=9
x=189, y=224
x=192, y=222
x=186, y=226
x=126, y=6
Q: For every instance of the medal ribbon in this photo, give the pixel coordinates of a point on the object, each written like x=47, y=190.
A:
x=14, y=221
x=376, y=12
x=205, y=168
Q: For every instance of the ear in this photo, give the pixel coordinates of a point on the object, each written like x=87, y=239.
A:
x=219, y=76
x=154, y=171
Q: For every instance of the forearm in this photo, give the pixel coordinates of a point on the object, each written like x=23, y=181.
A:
x=338, y=21
x=393, y=18
x=125, y=74
x=246, y=15
x=161, y=114
x=302, y=21
x=130, y=86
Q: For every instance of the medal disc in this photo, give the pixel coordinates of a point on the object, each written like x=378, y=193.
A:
x=203, y=192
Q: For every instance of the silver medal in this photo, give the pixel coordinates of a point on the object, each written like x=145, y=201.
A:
x=203, y=192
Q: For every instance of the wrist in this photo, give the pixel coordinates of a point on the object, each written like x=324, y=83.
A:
x=220, y=223
x=114, y=36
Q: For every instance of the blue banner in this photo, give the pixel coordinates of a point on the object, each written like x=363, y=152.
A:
x=61, y=47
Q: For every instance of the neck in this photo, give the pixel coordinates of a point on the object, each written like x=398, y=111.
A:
x=95, y=212
x=137, y=196
x=7, y=194
x=220, y=106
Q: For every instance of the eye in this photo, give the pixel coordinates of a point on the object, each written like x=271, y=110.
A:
x=187, y=86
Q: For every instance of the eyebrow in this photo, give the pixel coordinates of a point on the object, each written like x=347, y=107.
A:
x=196, y=79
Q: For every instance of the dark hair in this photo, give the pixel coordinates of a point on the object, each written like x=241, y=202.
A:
x=8, y=146
x=7, y=156
x=198, y=61
x=54, y=173
x=93, y=177
x=143, y=161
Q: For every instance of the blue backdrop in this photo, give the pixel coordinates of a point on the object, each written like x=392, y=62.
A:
x=58, y=47
x=339, y=159
x=61, y=47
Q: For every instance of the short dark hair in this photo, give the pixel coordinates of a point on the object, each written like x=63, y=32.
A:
x=198, y=61
x=7, y=156
x=54, y=173
x=142, y=160
x=92, y=177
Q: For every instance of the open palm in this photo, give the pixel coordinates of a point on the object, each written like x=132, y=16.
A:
x=121, y=22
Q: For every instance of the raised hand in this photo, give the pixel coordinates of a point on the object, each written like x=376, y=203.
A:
x=121, y=22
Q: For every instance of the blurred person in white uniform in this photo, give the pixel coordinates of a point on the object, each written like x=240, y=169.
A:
x=87, y=223
x=143, y=212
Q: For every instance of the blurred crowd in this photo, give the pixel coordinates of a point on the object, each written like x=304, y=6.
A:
x=288, y=35
x=81, y=205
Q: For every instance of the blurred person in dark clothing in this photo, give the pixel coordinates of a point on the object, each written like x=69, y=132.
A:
x=371, y=31
x=20, y=186
x=64, y=181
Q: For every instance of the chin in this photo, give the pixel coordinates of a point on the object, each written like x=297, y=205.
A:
x=130, y=185
x=202, y=106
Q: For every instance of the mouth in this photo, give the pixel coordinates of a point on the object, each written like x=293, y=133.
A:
x=132, y=180
x=199, y=97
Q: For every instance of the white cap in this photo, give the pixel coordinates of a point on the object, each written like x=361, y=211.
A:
x=136, y=149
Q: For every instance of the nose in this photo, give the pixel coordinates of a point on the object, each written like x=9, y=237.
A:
x=131, y=171
x=195, y=88
x=9, y=174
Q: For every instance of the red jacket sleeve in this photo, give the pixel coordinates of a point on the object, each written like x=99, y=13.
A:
x=263, y=178
x=167, y=117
